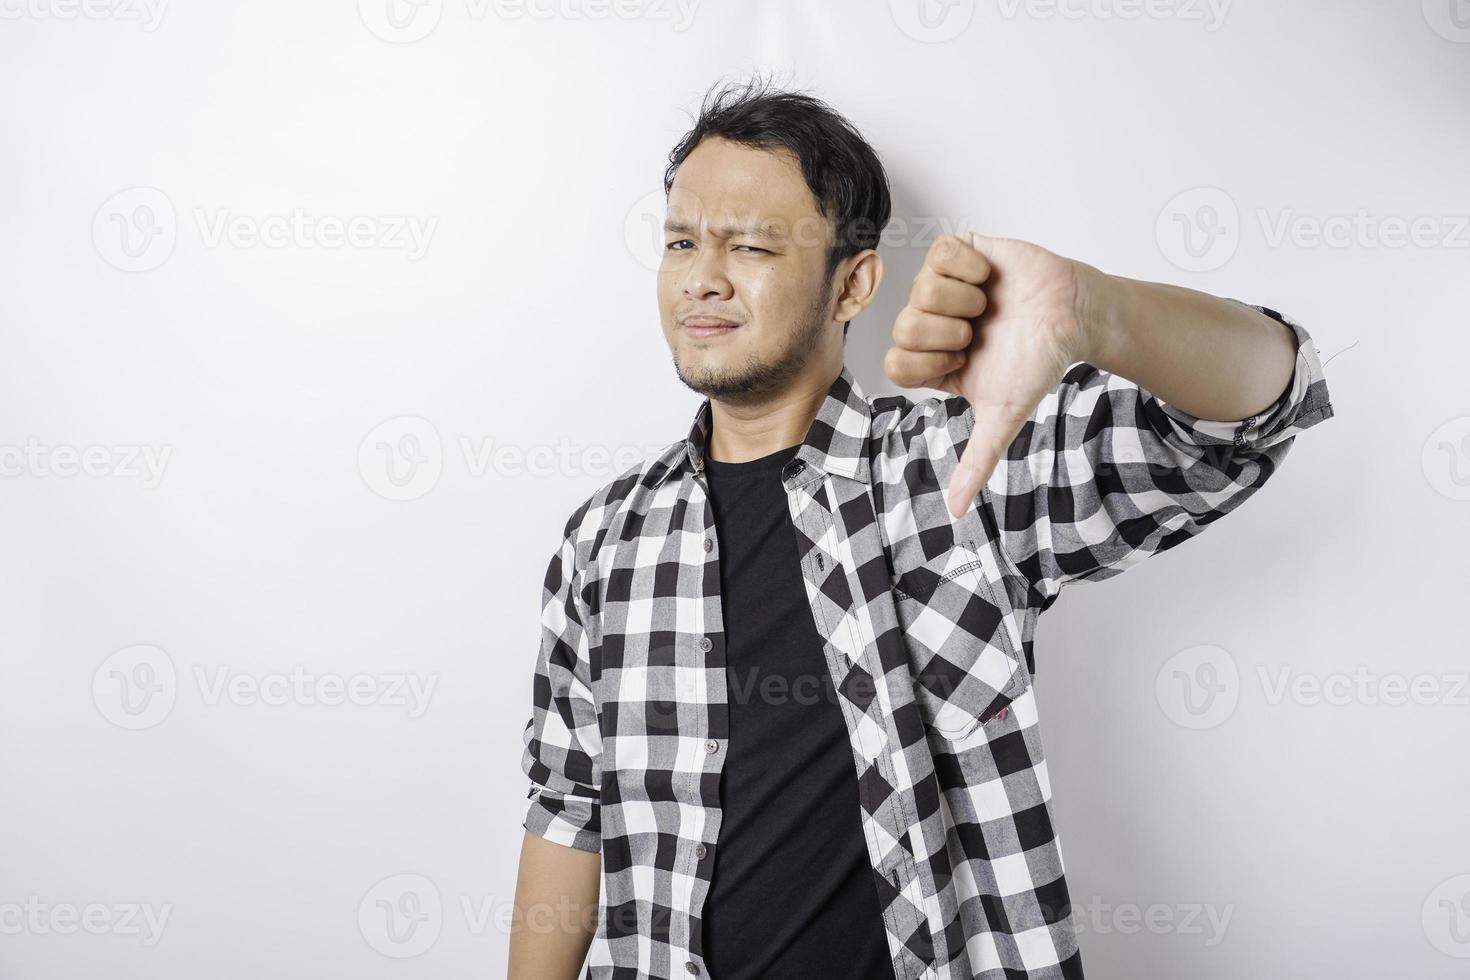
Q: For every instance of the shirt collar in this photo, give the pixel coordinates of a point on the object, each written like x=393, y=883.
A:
x=836, y=442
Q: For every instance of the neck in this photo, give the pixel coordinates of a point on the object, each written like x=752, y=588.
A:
x=741, y=433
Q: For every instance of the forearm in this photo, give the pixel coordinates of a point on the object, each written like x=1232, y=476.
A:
x=555, y=914
x=1208, y=356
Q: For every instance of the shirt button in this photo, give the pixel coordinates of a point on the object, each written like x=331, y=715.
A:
x=701, y=851
x=709, y=545
x=691, y=967
x=711, y=746
x=705, y=643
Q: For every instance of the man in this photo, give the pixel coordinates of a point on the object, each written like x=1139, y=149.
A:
x=783, y=717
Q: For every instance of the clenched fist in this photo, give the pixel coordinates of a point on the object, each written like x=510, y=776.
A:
x=997, y=321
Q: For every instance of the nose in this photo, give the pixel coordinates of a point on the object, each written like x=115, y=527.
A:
x=705, y=278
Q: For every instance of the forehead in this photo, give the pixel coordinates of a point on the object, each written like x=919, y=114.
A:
x=727, y=186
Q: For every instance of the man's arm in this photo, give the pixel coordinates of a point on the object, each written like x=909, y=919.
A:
x=557, y=887
x=555, y=914
x=1085, y=470
x=1214, y=358
x=1105, y=473
x=998, y=321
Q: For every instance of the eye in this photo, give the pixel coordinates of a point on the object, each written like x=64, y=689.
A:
x=670, y=246
x=751, y=247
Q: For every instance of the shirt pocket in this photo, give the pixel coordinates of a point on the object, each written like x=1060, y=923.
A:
x=965, y=660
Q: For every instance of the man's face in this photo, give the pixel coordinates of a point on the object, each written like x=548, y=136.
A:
x=744, y=242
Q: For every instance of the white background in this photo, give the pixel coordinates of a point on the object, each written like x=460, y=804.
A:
x=525, y=142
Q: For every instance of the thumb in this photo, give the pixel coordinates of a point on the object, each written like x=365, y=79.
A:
x=982, y=453
x=991, y=247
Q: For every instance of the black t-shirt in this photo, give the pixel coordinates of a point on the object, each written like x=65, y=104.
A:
x=792, y=893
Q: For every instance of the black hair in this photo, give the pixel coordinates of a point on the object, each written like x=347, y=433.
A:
x=844, y=174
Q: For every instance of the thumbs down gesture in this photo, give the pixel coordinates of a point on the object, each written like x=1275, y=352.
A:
x=997, y=321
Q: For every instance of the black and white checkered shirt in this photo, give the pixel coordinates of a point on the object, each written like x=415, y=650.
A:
x=927, y=622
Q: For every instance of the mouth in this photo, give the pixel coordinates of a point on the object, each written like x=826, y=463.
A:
x=708, y=326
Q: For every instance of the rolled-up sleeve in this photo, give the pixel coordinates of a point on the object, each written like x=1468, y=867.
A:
x=1104, y=473
x=562, y=743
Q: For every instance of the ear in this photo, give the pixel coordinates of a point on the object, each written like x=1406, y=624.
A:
x=859, y=284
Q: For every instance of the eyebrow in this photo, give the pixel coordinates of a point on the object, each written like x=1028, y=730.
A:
x=767, y=232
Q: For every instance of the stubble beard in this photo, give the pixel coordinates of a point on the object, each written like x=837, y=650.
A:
x=756, y=380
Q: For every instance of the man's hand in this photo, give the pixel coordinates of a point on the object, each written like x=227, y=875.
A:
x=997, y=321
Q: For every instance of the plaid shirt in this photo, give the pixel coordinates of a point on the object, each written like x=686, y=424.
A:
x=928, y=624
